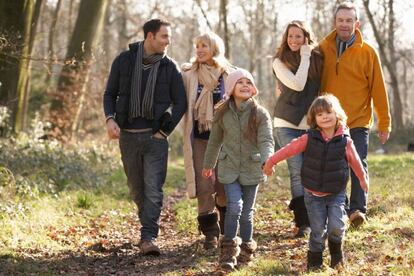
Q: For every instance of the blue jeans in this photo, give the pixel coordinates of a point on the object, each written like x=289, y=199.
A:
x=327, y=217
x=145, y=163
x=240, y=210
x=283, y=136
x=359, y=198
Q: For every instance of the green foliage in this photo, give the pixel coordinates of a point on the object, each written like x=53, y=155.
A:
x=84, y=200
x=186, y=214
x=44, y=166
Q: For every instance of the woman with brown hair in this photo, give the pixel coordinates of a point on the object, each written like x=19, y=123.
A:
x=298, y=68
x=204, y=79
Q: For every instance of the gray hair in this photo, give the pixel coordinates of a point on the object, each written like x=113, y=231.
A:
x=347, y=6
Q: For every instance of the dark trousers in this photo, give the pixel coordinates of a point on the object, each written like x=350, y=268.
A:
x=145, y=163
x=358, y=200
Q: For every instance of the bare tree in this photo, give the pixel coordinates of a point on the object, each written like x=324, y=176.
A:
x=68, y=100
x=387, y=51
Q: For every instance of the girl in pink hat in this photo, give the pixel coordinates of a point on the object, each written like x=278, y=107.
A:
x=241, y=140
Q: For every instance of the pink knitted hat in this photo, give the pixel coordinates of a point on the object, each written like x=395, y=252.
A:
x=233, y=77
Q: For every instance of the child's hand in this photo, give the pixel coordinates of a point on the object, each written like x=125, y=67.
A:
x=365, y=186
x=207, y=173
x=268, y=168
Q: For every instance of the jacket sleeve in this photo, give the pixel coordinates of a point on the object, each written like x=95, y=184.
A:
x=354, y=161
x=296, y=146
x=295, y=81
x=112, y=89
x=265, y=136
x=213, y=147
x=379, y=95
x=179, y=101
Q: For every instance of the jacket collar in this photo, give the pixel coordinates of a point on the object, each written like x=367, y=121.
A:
x=133, y=47
x=331, y=39
x=244, y=106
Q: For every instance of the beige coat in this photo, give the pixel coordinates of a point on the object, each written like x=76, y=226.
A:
x=190, y=79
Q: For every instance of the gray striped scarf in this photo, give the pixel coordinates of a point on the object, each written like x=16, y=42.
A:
x=143, y=62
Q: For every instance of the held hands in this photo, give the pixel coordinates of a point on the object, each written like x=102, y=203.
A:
x=383, y=136
x=207, y=173
x=113, y=129
x=268, y=168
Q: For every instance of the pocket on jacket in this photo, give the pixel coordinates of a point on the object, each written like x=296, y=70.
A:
x=256, y=157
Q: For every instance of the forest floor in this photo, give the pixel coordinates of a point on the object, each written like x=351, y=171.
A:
x=96, y=232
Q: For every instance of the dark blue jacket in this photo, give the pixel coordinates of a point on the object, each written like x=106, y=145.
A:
x=169, y=91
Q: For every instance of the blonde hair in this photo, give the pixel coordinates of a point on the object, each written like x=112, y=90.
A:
x=216, y=46
x=327, y=102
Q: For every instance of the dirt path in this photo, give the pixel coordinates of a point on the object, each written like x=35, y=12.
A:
x=117, y=252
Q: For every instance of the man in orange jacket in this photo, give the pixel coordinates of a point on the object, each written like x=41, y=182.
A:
x=352, y=72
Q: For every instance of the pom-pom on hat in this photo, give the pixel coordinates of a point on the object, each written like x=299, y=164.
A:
x=233, y=77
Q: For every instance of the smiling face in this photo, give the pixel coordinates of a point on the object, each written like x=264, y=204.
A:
x=295, y=38
x=345, y=23
x=326, y=120
x=243, y=89
x=158, y=42
x=204, y=53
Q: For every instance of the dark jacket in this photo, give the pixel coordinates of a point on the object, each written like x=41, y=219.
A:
x=325, y=168
x=169, y=91
x=293, y=105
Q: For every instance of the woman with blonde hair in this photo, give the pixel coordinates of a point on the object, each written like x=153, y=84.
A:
x=204, y=79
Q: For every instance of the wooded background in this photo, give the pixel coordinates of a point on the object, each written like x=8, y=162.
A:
x=55, y=55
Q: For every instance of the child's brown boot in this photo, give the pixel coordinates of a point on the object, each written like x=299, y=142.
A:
x=229, y=250
x=246, y=253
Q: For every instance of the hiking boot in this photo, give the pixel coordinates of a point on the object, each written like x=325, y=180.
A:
x=314, y=260
x=149, y=248
x=337, y=257
x=303, y=231
x=297, y=205
x=209, y=226
x=229, y=251
x=357, y=218
x=246, y=253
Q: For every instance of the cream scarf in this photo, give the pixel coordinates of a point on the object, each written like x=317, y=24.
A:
x=203, y=110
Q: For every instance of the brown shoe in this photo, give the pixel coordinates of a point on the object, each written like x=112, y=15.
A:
x=149, y=248
x=357, y=218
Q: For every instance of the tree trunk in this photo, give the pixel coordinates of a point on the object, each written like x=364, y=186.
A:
x=51, y=51
x=223, y=20
x=25, y=70
x=75, y=72
x=11, y=34
x=18, y=27
x=390, y=62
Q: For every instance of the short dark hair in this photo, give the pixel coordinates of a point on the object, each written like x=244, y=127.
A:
x=347, y=6
x=153, y=26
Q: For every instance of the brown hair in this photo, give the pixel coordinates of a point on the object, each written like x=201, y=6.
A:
x=327, y=102
x=292, y=59
x=252, y=125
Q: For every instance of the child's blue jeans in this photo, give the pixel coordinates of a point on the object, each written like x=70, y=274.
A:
x=327, y=217
x=239, y=210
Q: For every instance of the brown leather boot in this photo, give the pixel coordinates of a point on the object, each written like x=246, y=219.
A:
x=246, y=253
x=208, y=225
x=229, y=250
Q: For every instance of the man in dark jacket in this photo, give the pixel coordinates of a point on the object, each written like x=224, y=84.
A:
x=143, y=102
